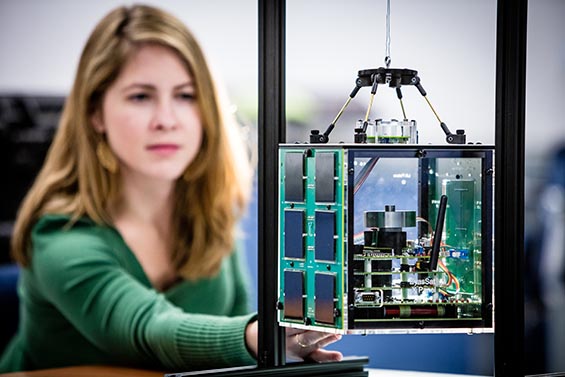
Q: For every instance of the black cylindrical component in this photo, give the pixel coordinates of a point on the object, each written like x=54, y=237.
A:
x=374, y=87
x=398, y=93
x=420, y=87
x=329, y=130
x=395, y=239
x=445, y=129
x=354, y=91
x=434, y=255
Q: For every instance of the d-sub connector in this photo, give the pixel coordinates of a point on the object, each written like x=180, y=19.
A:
x=368, y=297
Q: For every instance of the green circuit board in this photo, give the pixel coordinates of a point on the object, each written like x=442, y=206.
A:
x=311, y=236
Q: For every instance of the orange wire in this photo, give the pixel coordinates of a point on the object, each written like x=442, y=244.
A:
x=452, y=278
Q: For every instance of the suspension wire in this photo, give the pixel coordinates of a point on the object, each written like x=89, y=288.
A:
x=431, y=107
x=369, y=108
x=403, y=111
x=342, y=110
x=387, y=52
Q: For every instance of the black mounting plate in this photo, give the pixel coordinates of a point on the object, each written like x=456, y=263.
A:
x=394, y=77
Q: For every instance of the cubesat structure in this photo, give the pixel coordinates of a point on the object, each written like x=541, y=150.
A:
x=386, y=237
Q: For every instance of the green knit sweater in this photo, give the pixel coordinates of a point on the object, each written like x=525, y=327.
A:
x=85, y=299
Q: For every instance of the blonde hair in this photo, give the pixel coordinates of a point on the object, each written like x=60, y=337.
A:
x=211, y=195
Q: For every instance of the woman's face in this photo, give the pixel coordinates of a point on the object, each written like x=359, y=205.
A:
x=151, y=117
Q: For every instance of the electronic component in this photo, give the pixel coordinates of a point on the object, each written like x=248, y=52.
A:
x=387, y=238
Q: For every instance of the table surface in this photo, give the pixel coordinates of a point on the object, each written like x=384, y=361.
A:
x=87, y=371
x=107, y=371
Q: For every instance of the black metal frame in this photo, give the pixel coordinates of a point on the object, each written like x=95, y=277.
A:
x=350, y=367
x=272, y=126
x=509, y=188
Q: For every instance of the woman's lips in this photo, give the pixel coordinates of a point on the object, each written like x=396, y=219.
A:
x=163, y=149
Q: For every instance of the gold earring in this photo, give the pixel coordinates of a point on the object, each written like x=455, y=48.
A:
x=106, y=157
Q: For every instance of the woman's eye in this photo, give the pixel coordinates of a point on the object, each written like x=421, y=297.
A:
x=188, y=96
x=139, y=97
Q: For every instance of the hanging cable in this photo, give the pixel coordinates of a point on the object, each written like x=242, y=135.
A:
x=387, y=52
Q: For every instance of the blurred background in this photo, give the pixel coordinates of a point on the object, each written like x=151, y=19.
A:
x=451, y=43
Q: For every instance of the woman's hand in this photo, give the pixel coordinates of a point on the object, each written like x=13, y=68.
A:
x=307, y=344
x=300, y=344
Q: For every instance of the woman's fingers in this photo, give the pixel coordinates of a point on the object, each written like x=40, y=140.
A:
x=292, y=331
x=328, y=340
x=316, y=338
x=322, y=355
x=307, y=344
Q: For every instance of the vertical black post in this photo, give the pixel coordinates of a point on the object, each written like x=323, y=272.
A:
x=509, y=187
x=271, y=132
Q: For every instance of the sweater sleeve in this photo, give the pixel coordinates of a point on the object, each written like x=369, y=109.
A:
x=120, y=316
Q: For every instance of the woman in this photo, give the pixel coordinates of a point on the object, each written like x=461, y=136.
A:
x=127, y=236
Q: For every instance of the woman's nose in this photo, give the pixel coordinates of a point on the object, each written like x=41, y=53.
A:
x=164, y=117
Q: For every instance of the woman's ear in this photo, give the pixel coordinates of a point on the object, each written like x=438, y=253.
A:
x=97, y=122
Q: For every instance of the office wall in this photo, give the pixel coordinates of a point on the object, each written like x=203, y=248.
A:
x=41, y=40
